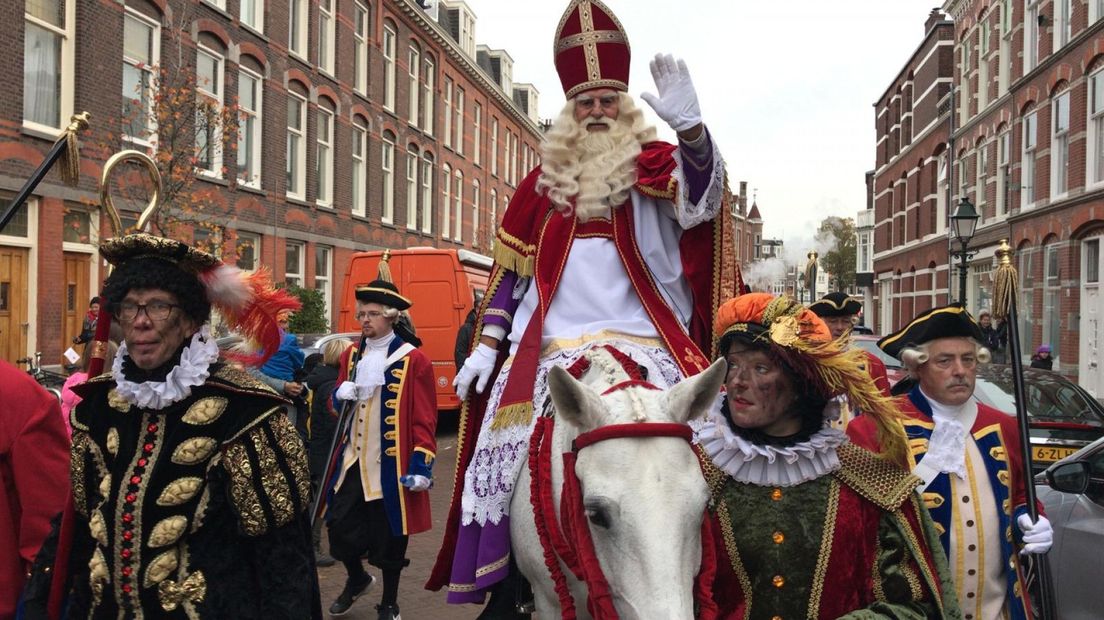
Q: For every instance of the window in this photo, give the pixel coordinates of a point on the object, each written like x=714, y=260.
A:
x=943, y=187
x=1059, y=146
x=492, y=219
x=982, y=162
x=323, y=163
x=1031, y=35
x=252, y=14
x=141, y=41
x=458, y=207
x=76, y=226
x=296, y=145
x=48, y=63
x=427, y=85
x=1096, y=127
x=360, y=169
x=965, y=67
x=388, y=166
x=360, y=48
x=249, y=128
x=413, y=63
x=1027, y=161
x=983, y=64
x=477, y=127
x=412, y=189
x=1004, y=170
x=459, y=120
x=1026, y=270
x=1092, y=261
x=427, y=193
x=1051, y=299
x=293, y=263
x=448, y=113
x=248, y=248
x=389, y=67
x=1004, y=61
x=326, y=27
x=514, y=161
x=1096, y=10
x=323, y=282
x=964, y=178
x=446, y=202
x=475, y=213
x=1063, y=26
x=209, y=86
x=494, y=145
x=297, y=28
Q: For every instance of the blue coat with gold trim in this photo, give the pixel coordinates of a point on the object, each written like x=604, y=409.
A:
x=998, y=440
x=408, y=425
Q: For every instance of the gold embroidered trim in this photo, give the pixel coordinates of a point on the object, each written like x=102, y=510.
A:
x=729, y=538
x=116, y=401
x=830, y=517
x=461, y=587
x=592, y=37
x=161, y=567
x=191, y=590
x=663, y=194
x=493, y=566
x=78, y=455
x=105, y=486
x=205, y=410
x=97, y=575
x=913, y=504
x=876, y=572
x=519, y=414
x=879, y=481
x=98, y=528
x=240, y=381
x=112, y=441
x=273, y=482
x=242, y=492
x=179, y=491
x=194, y=450
x=509, y=258
x=167, y=531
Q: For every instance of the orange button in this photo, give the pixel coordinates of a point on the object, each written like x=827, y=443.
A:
x=778, y=537
x=778, y=581
x=776, y=617
x=776, y=494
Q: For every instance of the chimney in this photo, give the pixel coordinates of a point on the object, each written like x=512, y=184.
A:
x=743, y=197
x=934, y=18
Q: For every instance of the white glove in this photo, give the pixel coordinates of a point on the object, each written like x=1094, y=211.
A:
x=1038, y=536
x=417, y=483
x=677, y=103
x=347, y=391
x=478, y=366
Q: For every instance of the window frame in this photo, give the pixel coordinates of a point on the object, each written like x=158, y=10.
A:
x=1028, y=150
x=387, y=166
x=359, y=168
x=1031, y=35
x=327, y=34
x=323, y=256
x=494, y=145
x=299, y=274
x=447, y=133
x=255, y=22
x=413, y=70
x=446, y=200
x=324, y=157
x=458, y=144
x=458, y=206
x=477, y=127
x=1004, y=171
x=219, y=97
x=1094, y=144
x=360, y=47
x=413, y=173
x=390, y=41
x=427, y=193
x=429, y=80
x=298, y=14
x=145, y=68
x=255, y=240
x=252, y=166
x=477, y=192
x=299, y=157
x=1059, y=145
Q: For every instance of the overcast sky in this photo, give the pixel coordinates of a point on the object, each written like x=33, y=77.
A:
x=787, y=87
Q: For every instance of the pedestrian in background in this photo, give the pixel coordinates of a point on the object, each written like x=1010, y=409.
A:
x=323, y=424
x=88, y=326
x=69, y=398
x=1042, y=358
x=994, y=336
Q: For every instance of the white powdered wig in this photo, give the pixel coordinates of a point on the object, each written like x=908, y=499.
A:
x=596, y=168
x=916, y=356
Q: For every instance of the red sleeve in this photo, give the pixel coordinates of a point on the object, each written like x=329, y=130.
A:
x=864, y=433
x=39, y=461
x=424, y=412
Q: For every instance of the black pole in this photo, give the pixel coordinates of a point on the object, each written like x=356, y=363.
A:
x=36, y=178
x=962, y=267
x=1045, y=601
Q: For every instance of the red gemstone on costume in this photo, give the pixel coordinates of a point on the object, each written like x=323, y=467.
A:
x=152, y=428
x=135, y=479
x=125, y=553
x=142, y=462
x=128, y=535
x=126, y=588
x=147, y=448
x=128, y=517
x=131, y=498
x=127, y=570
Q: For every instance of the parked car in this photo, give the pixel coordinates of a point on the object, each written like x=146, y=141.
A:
x=313, y=343
x=1063, y=417
x=894, y=370
x=1072, y=490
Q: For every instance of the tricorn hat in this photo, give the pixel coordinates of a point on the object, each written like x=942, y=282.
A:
x=835, y=304
x=591, y=49
x=382, y=292
x=951, y=321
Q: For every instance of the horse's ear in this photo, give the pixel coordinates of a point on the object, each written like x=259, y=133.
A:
x=691, y=398
x=575, y=402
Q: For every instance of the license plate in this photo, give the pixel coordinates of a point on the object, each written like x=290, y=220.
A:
x=1050, y=454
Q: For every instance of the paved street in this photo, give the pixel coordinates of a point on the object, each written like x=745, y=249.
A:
x=415, y=603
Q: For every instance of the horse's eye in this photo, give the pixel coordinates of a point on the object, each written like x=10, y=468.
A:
x=599, y=517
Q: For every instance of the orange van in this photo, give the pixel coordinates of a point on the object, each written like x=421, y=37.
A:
x=442, y=286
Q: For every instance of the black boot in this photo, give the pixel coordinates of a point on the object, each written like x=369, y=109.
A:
x=355, y=586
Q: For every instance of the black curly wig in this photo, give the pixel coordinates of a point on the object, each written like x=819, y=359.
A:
x=150, y=272
x=808, y=402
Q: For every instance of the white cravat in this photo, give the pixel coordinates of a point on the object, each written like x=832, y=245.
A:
x=372, y=366
x=947, y=446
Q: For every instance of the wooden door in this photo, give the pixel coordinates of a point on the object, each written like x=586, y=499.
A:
x=75, y=297
x=13, y=303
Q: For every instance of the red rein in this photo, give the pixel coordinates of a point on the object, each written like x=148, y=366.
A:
x=573, y=543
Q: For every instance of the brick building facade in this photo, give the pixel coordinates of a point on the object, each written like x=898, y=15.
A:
x=1028, y=151
x=372, y=124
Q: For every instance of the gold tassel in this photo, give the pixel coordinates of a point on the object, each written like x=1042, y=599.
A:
x=1004, y=282
x=384, y=269
x=70, y=157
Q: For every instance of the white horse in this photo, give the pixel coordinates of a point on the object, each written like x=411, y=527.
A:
x=644, y=497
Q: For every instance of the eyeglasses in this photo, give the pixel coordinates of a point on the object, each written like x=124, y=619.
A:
x=127, y=311
x=370, y=314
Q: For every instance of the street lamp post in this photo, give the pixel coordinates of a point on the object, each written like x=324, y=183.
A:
x=964, y=222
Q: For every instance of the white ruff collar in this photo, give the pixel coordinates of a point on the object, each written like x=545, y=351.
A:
x=769, y=465
x=193, y=370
